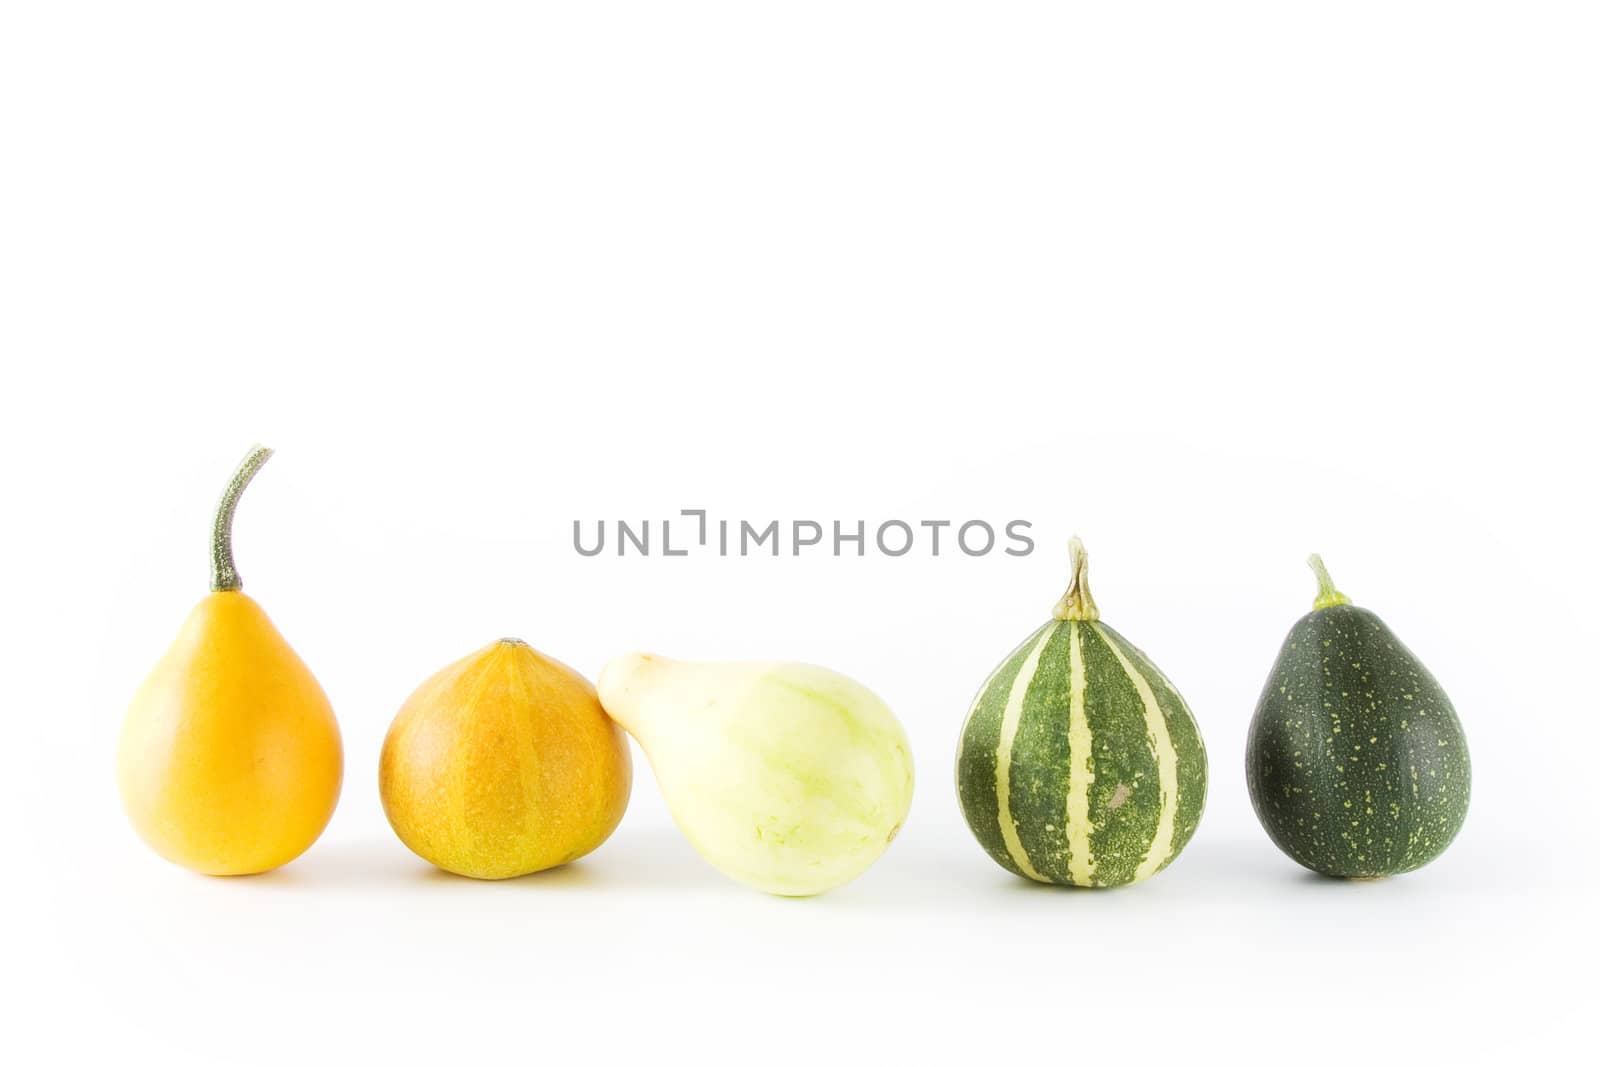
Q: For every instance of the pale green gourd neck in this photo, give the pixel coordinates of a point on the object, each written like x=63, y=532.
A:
x=1077, y=604
x=1327, y=595
x=224, y=575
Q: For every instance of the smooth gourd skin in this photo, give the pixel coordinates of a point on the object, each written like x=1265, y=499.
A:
x=503, y=764
x=230, y=760
x=1356, y=762
x=787, y=777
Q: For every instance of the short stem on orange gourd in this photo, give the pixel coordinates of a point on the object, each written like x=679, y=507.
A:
x=224, y=576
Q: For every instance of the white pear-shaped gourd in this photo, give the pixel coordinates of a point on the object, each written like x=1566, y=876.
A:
x=789, y=778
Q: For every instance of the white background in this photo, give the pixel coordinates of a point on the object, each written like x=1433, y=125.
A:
x=1211, y=285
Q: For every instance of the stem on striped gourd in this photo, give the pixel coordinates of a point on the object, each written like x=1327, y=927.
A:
x=1327, y=595
x=224, y=576
x=1077, y=604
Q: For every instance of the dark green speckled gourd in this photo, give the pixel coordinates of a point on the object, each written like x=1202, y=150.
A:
x=1356, y=762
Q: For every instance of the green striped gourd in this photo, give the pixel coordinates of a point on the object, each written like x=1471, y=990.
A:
x=1079, y=763
x=1356, y=762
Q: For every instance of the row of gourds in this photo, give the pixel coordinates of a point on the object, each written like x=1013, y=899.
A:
x=1079, y=764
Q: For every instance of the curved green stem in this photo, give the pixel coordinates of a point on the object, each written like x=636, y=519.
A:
x=1327, y=595
x=1076, y=604
x=224, y=576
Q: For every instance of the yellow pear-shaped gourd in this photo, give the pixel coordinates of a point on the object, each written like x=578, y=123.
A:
x=230, y=760
x=503, y=764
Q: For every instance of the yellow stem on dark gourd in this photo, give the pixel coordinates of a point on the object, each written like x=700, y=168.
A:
x=1076, y=604
x=1327, y=595
x=224, y=576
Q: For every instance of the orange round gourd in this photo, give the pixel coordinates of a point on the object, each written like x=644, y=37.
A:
x=503, y=764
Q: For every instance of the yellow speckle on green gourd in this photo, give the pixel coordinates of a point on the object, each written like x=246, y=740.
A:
x=1346, y=650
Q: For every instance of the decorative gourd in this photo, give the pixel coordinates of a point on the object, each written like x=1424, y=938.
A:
x=787, y=777
x=1356, y=762
x=1079, y=763
x=503, y=764
x=230, y=760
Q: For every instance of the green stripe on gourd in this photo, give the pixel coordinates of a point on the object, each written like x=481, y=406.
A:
x=1079, y=762
x=1356, y=762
